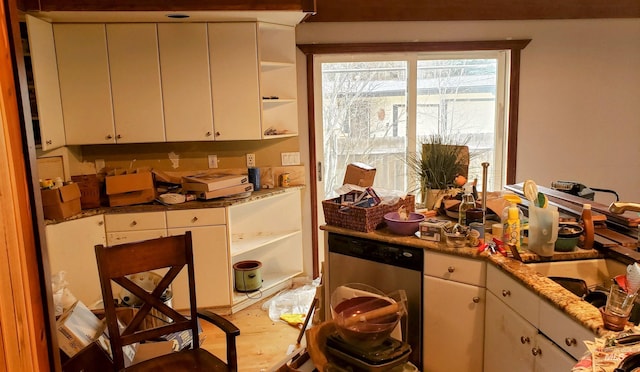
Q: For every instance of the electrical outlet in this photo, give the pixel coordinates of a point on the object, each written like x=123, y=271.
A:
x=213, y=161
x=251, y=160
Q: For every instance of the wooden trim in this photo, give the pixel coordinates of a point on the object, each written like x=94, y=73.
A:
x=514, y=99
x=313, y=166
x=25, y=321
x=435, y=46
x=512, y=141
x=168, y=5
x=466, y=10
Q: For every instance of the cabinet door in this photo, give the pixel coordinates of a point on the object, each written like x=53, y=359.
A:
x=211, y=265
x=135, y=82
x=46, y=84
x=234, y=81
x=550, y=357
x=85, y=85
x=71, y=248
x=508, y=338
x=186, y=83
x=453, y=326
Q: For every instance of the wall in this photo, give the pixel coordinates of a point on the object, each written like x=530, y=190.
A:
x=579, y=93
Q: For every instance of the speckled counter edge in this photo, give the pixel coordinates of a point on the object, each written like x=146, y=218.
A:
x=546, y=289
x=158, y=207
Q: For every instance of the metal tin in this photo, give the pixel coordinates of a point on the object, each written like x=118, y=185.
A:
x=285, y=180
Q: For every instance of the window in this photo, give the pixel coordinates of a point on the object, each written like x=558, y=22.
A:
x=378, y=107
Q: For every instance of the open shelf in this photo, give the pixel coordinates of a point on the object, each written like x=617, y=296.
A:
x=243, y=243
x=272, y=283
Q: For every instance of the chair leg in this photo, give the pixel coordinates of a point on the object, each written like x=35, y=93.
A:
x=232, y=354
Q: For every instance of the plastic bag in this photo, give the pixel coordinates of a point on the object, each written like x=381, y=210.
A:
x=291, y=301
x=63, y=299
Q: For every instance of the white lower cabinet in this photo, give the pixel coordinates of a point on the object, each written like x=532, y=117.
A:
x=454, y=311
x=268, y=230
x=71, y=248
x=513, y=341
x=134, y=227
x=210, y=257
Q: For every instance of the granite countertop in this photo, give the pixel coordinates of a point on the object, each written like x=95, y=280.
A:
x=547, y=289
x=156, y=206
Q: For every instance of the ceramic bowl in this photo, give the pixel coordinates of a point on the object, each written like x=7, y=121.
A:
x=399, y=226
x=568, y=236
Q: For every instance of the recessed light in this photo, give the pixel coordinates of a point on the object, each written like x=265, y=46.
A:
x=177, y=16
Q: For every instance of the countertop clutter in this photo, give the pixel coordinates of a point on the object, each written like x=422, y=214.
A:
x=524, y=271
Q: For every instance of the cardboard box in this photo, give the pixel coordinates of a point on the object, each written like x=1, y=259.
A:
x=128, y=189
x=227, y=191
x=359, y=174
x=78, y=327
x=212, y=182
x=62, y=202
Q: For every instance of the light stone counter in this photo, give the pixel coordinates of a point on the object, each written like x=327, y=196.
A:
x=547, y=289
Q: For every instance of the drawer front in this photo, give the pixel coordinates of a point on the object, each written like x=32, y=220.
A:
x=513, y=294
x=459, y=269
x=563, y=330
x=135, y=221
x=122, y=237
x=196, y=217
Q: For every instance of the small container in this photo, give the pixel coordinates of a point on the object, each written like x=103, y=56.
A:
x=456, y=240
x=285, y=180
x=254, y=178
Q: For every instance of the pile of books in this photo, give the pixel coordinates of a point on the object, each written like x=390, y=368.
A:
x=209, y=186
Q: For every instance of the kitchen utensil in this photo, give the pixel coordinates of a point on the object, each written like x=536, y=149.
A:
x=531, y=192
x=485, y=166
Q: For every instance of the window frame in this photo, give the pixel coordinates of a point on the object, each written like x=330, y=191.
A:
x=514, y=47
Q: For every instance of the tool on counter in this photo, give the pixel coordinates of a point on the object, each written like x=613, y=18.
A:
x=485, y=166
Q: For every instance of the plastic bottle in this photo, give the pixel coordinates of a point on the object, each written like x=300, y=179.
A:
x=587, y=222
x=511, y=220
x=468, y=202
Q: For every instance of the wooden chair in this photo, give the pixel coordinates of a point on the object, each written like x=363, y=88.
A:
x=175, y=252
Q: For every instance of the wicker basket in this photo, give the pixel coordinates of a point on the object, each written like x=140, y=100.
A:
x=359, y=218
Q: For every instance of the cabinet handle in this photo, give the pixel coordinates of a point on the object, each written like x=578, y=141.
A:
x=194, y=219
x=100, y=223
x=109, y=136
x=133, y=223
x=118, y=136
x=451, y=269
x=536, y=351
x=476, y=299
x=570, y=341
x=506, y=293
x=217, y=133
x=49, y=142
x=524, y=340
x=208, y=134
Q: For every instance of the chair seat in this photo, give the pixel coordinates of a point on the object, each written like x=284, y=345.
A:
x=186, y=360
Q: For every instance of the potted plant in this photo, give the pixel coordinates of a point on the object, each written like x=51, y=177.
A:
x=436, y=167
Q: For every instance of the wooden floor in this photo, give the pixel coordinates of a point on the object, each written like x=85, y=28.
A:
x=262, y=342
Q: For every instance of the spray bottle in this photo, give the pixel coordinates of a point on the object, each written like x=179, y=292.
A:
x=511, y=221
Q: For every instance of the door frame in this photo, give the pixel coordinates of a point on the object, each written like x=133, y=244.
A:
x=310, y=50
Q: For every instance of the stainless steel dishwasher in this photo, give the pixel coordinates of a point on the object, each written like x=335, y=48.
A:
x=384, y=266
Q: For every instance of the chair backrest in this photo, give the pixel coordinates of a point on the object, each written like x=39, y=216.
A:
x=116, y=263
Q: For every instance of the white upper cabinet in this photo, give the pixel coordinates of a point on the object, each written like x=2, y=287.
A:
x=47, y=87
x=234, y=81
x=135, y=82
x=186, y=82
x=278, y=80
x=85, y=86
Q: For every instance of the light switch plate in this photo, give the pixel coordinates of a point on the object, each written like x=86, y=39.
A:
x=290, y=158
x=213, y=161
